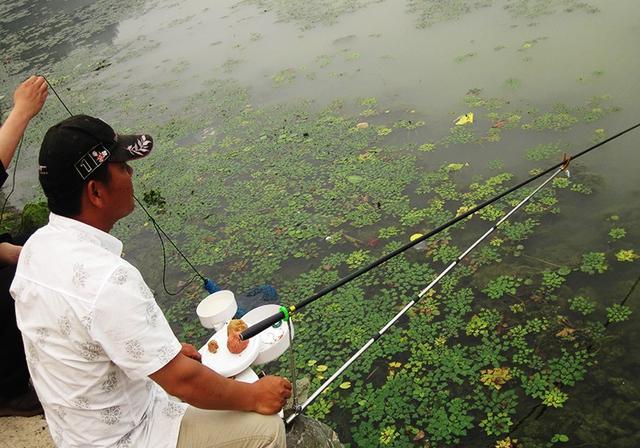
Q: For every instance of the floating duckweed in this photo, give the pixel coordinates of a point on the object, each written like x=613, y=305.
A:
x=627, y=255
x=555, y=398
x=617, y=233
x=286, y=76
x=582, y=304
x=618, y=313
x=427, y=147
x=594, y=262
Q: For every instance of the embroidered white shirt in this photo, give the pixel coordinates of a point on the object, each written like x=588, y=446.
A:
x=93, y=333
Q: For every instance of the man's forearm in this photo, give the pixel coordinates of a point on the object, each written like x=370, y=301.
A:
x=203, y=388
x=11, y=132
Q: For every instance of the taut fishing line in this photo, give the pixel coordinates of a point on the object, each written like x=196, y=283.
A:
x=209, y=285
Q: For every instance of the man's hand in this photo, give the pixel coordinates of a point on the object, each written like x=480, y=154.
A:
x=27, y=102
x=190, y=351
x=30, y=96
x=271, y=394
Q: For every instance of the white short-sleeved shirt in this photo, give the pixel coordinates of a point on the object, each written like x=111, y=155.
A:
x=92, y=334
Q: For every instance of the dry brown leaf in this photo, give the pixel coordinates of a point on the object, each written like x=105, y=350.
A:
x=567, y=331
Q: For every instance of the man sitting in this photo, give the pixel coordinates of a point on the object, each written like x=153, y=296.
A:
x=17, y=397
x=96, y=342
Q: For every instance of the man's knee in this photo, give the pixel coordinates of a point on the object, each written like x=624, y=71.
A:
x=275, y=426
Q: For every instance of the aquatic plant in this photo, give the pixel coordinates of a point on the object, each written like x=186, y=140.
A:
x=507, y=442
x=555, y=398
x=552, y=280
x=495, y=164
x=517, y=308
x=482, y=323
x=568, y=368
x=357, y=258
x=427, y=147
x=543, y=151
x=504, y=284
x=626, y=255
x=552, y=121
x=388, y=232
x=285, y=76
x=446, y=253
x=598, y=135
x=513, y=83
x=561, y=182
x=450, y=421
x=582, y=304
x=460, y=135
x=388, y=435
x=351, y=55
x=495, y=378
x=496, y=423
x=154, y=198
x=518, y=231
x=559, y=438
x=409, y=125
x=617, y=233
x=618, y=313
x=594, y=262
x=581, y=188
x=307, y=16
x=369, y=112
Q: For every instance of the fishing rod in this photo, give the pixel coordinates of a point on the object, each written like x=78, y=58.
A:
x=299, y=409
x=285, y=312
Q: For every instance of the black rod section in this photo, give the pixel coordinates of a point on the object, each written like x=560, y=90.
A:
x=266, y=323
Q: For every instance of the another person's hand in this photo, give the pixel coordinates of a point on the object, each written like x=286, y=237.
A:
x=190, y=351
x=30, y=96
x=271, y=394
x=9, y=254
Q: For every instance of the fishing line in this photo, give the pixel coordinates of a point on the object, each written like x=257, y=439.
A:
x=208, y=284
x=633, y=288
x=158, y=229
x=401, y=313
x=269, y=321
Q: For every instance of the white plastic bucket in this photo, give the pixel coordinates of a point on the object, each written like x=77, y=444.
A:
x=217, y=308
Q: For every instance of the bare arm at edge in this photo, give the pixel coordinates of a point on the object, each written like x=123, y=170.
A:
x=28, y=100
x=187, y=379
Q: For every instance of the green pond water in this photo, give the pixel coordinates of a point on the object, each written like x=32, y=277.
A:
x=264, y=172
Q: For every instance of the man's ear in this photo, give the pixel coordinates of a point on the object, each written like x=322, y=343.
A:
x=95, y=193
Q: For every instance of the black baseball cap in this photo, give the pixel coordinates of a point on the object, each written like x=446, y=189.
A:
x=74, y=148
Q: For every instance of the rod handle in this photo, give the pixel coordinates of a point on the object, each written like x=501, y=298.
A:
x=261, y=326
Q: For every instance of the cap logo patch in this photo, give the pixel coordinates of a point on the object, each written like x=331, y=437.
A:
x=91, y=161
x=140, y=147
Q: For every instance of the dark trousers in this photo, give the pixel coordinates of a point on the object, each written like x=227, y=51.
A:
x=14, y=375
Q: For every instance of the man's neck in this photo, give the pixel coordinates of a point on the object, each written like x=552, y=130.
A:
x=94, y=221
